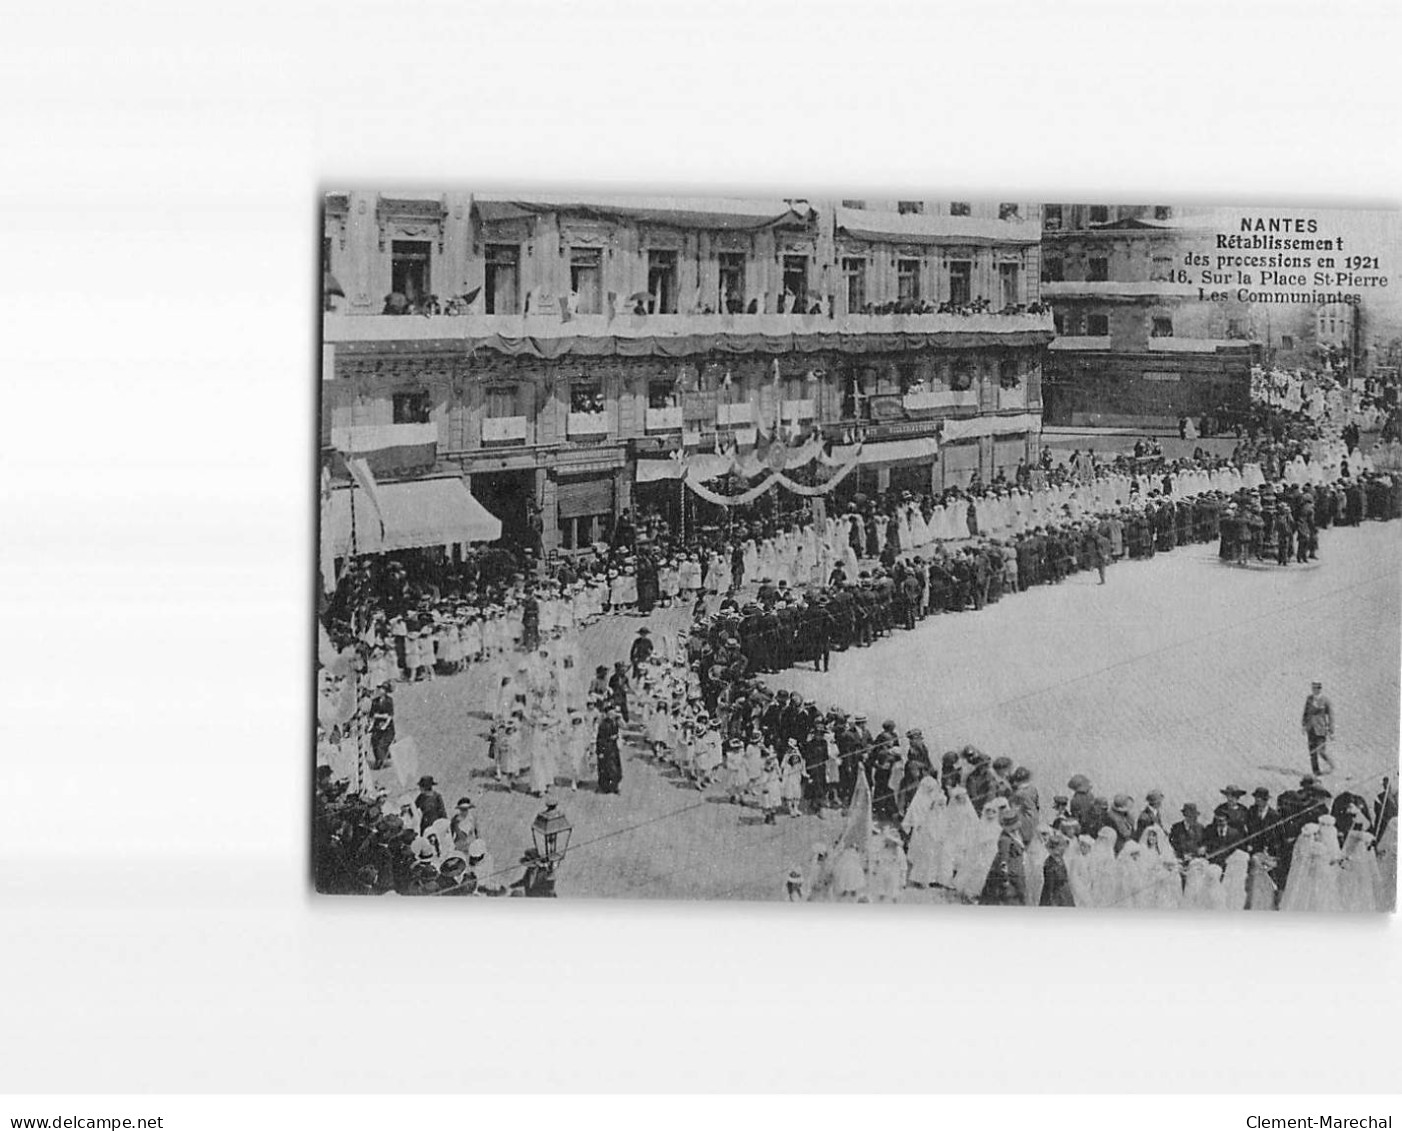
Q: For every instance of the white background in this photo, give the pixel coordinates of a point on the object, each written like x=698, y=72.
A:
x=159, y=170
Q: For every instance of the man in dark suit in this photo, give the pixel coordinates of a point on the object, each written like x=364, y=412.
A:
x=1263, y=829
x=1186, y=836
x=1221, y=838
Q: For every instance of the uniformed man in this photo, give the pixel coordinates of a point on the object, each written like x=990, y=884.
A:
x=1006, y=885
x=1318, y=725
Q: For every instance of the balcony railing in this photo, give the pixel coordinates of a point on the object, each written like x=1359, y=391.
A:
x=504, y=429
x=587, y=425
x=338, y=327
x=664, y=419
x=1013, y=396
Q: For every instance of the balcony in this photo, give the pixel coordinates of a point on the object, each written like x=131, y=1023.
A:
x=505, y=430
x=1099, y=343
x=1196, y=345
x=553, y=336
x=587, y=425
x=664, y=419
x=940, y=398
x=377, y=437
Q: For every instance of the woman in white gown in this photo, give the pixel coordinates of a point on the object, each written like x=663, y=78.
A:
x=960, y=828
x=971, y=871
x=1302, y=864
x=924, y=822
x=1234, y=881
x=1078, y=870
x=1103, y=874
x=1359, y=877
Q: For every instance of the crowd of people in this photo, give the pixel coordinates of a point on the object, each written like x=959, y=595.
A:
x=971, y=825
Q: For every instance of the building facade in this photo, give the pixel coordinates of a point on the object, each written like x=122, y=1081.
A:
x=1135, y=343
x=537, y=347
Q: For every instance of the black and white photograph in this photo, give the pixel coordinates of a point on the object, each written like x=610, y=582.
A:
x=846, y=550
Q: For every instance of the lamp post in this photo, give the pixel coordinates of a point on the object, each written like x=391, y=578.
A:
x=551, y=832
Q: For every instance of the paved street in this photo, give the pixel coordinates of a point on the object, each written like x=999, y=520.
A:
x=1180, y=673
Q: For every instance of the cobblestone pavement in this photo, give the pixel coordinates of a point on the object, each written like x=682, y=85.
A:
x=1179, y=673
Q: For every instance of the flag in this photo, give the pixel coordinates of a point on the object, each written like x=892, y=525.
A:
x=364, y=478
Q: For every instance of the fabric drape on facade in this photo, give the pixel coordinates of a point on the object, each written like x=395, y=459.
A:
x=423, y=512
x=690, y=345
x=990, y=426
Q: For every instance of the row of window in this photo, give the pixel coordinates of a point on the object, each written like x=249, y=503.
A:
x=1098, y=269
x=1074, y=324
x=587, y=393
x=1006, y=210
x=410, y=262
x=1053, y=215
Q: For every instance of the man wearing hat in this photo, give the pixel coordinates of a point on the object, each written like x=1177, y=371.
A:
x=982, y=782
x=1121, y=819
x=1235, y=810
x=1151, y=816
x=1006, y=885
x=430, y=803
x=1263, y=824
x=1221, y=838
x=641, y=651
x=1186, y=836
x=1318, y=725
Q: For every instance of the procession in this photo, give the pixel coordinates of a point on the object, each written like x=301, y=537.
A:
x=736, y=611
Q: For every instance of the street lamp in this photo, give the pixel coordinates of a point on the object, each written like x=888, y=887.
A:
x=551, y=832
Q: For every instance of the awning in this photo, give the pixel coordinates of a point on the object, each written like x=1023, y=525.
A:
x=711, y=213
x=890, y=451
x=421, y=512
x=914, y=228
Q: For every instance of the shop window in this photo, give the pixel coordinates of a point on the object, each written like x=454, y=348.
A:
x=586, y=395
x=732, y=282
x=908, y=280
x=662, y=280
x=1051, y=217
x=1098, y=270
x=586, y=279
x=1053, y=269
x=910, y=207
x=1234, y=328
x=1008, y=377
x=1009, y=211
x=909, y=376
x=959, y=208
x=1099, y=214
x=796, y=280
x=412, y=408
x=502, y=284
x=409, y=269
x=1287, y=342
x=854, y=274
x=1162, y=269
x=1097, y=325
x=961, y=274
x=1162, y=212
x=1162, y=328
x=961, y=376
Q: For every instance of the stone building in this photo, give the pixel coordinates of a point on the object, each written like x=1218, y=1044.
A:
x=536, y=347
x=1135, y=343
